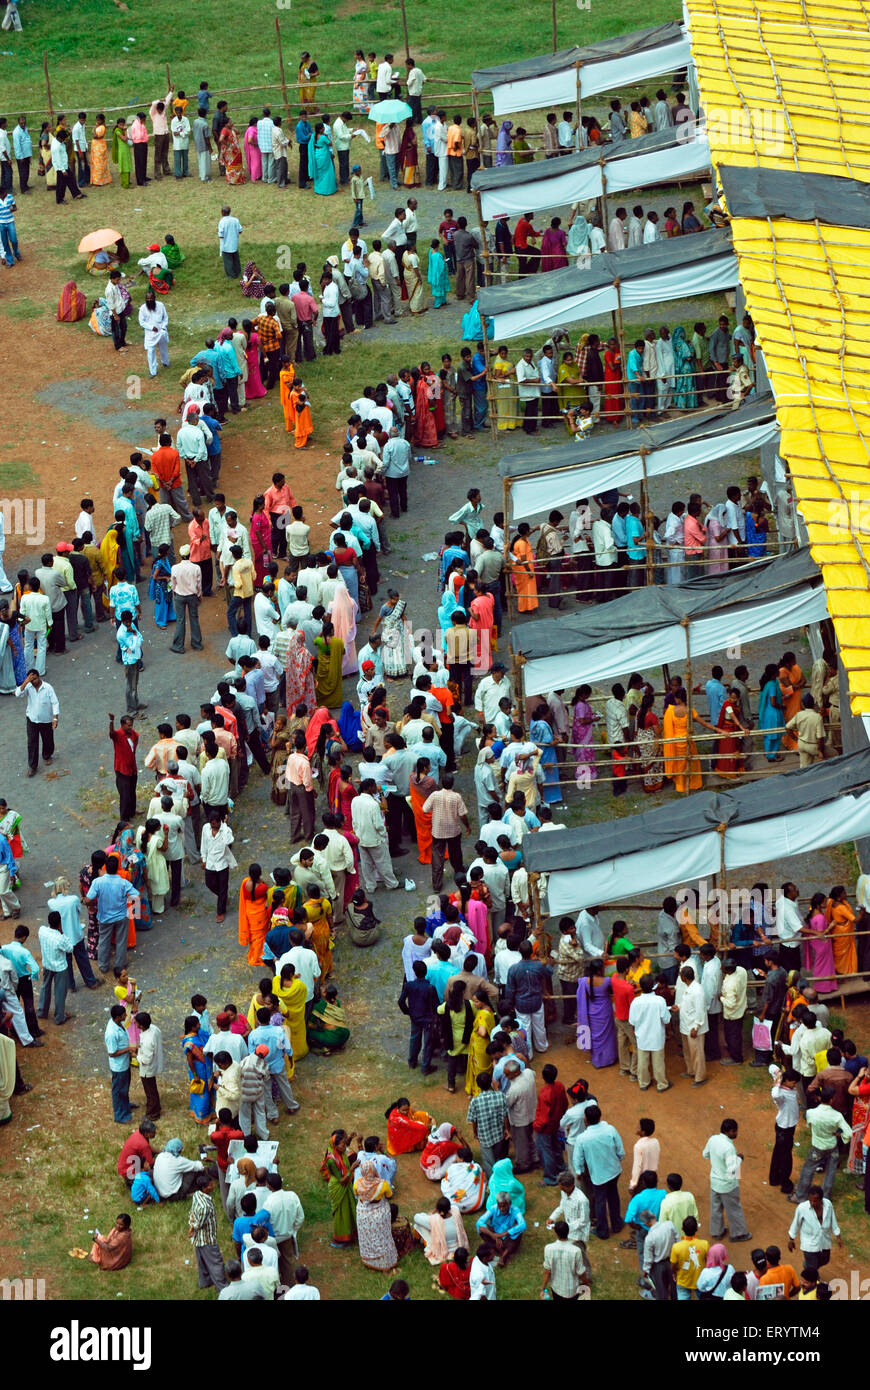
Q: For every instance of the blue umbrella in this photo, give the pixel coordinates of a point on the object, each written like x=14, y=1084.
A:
x=389, y=112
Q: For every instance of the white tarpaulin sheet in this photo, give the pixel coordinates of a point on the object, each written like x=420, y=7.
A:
x=745, y=623
x=699, y=856
x=542, y=492
x=560, y=88
x=682, y=160
x=678, y=282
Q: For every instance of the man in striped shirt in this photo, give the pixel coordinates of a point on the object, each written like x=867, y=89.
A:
x=202, y=1224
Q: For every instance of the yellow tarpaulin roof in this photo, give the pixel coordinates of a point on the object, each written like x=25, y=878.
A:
x=784, y=85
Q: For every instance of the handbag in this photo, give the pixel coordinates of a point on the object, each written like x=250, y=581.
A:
x=761, y=1030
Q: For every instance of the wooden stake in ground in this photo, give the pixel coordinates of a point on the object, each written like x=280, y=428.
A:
x=168, y=79
x=405, y=29
x=48, y=89
x=281, y=69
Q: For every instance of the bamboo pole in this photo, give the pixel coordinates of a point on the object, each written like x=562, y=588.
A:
x=555, y=33
x=48, y=89
x=648, y=521
x=578, y=114
x=281, y=73
x=684, y=621
x=538, y=917
x=168, y=79
x=620, y=335
x=405, y=29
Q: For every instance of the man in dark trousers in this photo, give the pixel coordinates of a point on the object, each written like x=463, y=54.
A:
x=419, y=1001
x=124, y=741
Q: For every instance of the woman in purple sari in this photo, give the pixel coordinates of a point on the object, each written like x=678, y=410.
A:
x=582, y=734
x=596, y=1029
x=818, y=952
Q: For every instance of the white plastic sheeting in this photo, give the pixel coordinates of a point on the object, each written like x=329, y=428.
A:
x=699, y=856
x=742, y=624
x=682, y=160
x=608, y=75
x=542, y=492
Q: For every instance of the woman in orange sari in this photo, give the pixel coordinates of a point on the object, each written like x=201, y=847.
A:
x=523, y=569
x=286, y=378
x=791, y=682
x=407, y=1129
x=301, y=415
x=422, y=785
x=255, y=912
x=318, y=910
x=729, y=761
x=842, y=920
x=72, y=304
x=681, y=753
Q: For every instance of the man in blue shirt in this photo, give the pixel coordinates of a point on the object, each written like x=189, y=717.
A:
x=599, y=1152
x=427, y=126
x=303, y=140
x=502, y=1225
x=716, y=694
x=439, y=969
x=635, y=545
x=643, y=1210
x=119, y=1050
x=27, y=970
x=635, y=380
x=22, y=148
x=112, y=894
x=478, y=386
x=9, y=904
x=130, y=645
x=279, y=1050
x=250, y=1217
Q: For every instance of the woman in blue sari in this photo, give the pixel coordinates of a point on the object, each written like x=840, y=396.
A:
x=349, y=726
x=324, y=169
x=13, y=667
x=770, y=714
x=439, y=281
x=541, y=734
x=159, y=590
x=133, y=863
x=685, y=395
x=199, y=1070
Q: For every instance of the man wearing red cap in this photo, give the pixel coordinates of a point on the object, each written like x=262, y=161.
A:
x=155, y=260
x=70, y=589
x=254, y=1080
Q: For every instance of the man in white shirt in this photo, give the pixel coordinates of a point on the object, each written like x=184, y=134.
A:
x=338, y=856
x=789, y=925
x=494, y=687
x=814, y=1223
x=635, y=227
x=616, y=240
x=384, y=80
x=725, y=1204
x=304, y=962
x=80, y=147
x=651, y=228
x=116, y=303
x=180, y=128
x=439, y=149
x=528, y=390
x=265, y=128
x=590, y=932
x=285, y=1210
x=733, y=996
x=693, y=1026
x=414, y=84
x=711, y=983
x=649, y=1016
x=370, y=829
x=565, y=134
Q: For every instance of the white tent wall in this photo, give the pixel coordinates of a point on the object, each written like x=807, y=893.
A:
x=679, y=282
x=746, y=623
x=542, y=492
x=700, y=856
x=560, y=88
x=683, y=160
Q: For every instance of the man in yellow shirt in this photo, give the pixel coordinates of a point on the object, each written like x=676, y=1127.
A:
x=242, y=576
x=688, y=1258
x=455, y=153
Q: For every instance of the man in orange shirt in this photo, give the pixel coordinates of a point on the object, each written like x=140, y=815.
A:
x=779, y=1274
x=279, y=503
x=166, y=467
x=454, y=153
x=162, y=751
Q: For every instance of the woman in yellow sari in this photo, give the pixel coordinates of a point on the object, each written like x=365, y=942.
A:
x=569, y=387
x=289, y=989
x=842, y=920
x=523, y=569
x=100, y=172
x=681, y=758
x=478, y=1058
x=507, y=409
x=110, y=558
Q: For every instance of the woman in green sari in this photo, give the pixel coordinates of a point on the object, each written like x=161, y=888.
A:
x=337, y=1170
x=685, y=365
x=330, y=655
x=122, y=152
x=327, y=1028
x=171, y=251
x=569, y=388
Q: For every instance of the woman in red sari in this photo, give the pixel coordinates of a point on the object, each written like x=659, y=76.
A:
x=614, y=401
x=72, y=304
x=261, y=539
x=425, y=427
x=481, y=619
x=342, y=793
x=730, y=761
x=231, y=154
x=454, y=1276
x=407, y=1130
x=255, y=914
x=409, y=158
x=421, y=786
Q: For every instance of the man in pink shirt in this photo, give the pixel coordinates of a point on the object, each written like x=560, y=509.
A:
x=300, y=792
x=306, y=317
x=160, y=126
x=139, y=136
x=279, y=501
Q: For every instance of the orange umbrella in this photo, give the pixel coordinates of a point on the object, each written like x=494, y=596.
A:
x=96, y=241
